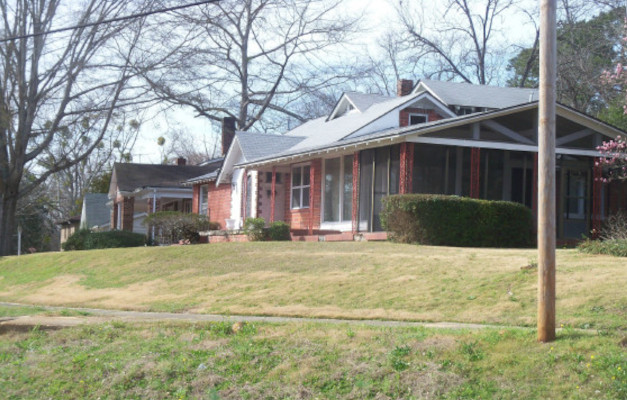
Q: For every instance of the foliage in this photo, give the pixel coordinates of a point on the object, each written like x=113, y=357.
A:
x=174, y=226
x=100, y=182
x=255, y=229
x=614, y=159
x=612, y=247
x=615, y=227
x=84, y=239
x=456, y=221
x=279, y=230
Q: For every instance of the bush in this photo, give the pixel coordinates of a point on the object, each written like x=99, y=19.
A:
x=457, y=221
x=255, y=229
x=174, y=226
x=76, y=241
x=279, y=230
x=615, y=227
x=86, y=240
x=612, y=247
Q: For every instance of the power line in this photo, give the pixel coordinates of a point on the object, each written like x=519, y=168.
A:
x=108, y=21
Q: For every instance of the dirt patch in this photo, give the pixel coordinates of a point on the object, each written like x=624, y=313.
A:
x=28, y=323
x=66, y=290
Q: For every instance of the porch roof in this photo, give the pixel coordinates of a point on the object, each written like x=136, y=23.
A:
x=397, y=135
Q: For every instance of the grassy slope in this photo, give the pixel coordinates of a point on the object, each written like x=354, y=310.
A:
x=306, y=361
x=353, y=280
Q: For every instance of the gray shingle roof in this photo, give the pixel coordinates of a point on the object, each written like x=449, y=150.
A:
x=132, y=176
x=96, y=211
x=259, y=145
x=469, y=95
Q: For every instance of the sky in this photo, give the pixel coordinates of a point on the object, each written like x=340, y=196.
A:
x=378, y=15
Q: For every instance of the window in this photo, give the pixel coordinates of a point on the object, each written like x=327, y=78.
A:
x=300, y=187
x=415, y=119
x=338, y=189
x=203, y=203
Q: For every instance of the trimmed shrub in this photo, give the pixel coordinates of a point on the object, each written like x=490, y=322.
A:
x=612, y=247
x=174, y=226
x=279, y=230
x=255, y=229
x=457, y=221
x=77, y=240
x=86, y=240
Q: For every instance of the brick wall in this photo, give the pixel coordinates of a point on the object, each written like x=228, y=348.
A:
x=219, y=203
x=128, y=206
x=306, y=218
x=404, y=115
x=196, y=199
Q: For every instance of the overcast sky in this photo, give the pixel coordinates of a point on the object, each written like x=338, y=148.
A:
x=379, y=15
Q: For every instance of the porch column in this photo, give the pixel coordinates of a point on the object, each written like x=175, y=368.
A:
x=410, y=167
x=355, y=214
x=403, y=169
x=475, y=163
x=273, y=194
x=534, y=189
x=597, y=188
x=244, y=199
x=312, y=182
x=406, y=167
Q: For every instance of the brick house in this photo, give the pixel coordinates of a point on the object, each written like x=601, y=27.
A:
x=136, y=190
x=331, y=173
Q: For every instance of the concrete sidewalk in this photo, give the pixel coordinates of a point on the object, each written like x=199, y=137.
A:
x=97, y=315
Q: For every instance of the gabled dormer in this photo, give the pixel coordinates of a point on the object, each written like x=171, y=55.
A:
x=342, y=107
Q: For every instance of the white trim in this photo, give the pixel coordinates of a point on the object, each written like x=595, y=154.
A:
x=343, y=226
x=503, y=130
x=301, y=166
x=574, y=136
x=498, y=146
x=409, y=115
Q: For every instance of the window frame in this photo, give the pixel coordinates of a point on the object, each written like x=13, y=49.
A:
x=200, y=200
x=426, y=117
x=300, y=187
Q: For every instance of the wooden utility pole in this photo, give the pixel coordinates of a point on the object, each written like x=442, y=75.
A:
x=546, y=173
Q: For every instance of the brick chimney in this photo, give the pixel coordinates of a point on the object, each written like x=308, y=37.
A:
x=181, y=161
x=228, y=133
x=404, y=87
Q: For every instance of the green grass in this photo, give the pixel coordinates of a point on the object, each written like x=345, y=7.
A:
x=345, y=280
x=183, y=361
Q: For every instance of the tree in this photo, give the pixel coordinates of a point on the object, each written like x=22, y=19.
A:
x=459, y=39
x=586, y=47
x=49, y=82
x=249, y=59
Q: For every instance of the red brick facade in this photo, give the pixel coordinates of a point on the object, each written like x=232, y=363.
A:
x=219, y=203
x=306, y=218
x=404, y=115
x=127, y=213
x=196, y=199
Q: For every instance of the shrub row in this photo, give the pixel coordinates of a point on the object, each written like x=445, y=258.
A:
x=256, y=230
x=86, y=240
x=612, y=247
x=457, y=221
x=173, y=226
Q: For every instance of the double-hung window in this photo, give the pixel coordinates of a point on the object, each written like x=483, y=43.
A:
x=300, y=187
x=204, y=200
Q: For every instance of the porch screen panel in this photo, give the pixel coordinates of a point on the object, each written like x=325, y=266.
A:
x=491, y=175
x=381, y=182
x=365, y=187
x=347, y=200
x=434, y=170
x=395, y=169
x=331, y=189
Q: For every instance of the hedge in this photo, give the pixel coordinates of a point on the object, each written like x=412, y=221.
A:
x=85, y=240
x=457, y=221
x=613, y=247
x=173, y=226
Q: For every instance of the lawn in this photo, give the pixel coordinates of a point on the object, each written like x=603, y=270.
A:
x=341, y=280
x=305, y=361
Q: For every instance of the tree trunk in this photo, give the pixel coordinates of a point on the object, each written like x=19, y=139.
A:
x=7, y=223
